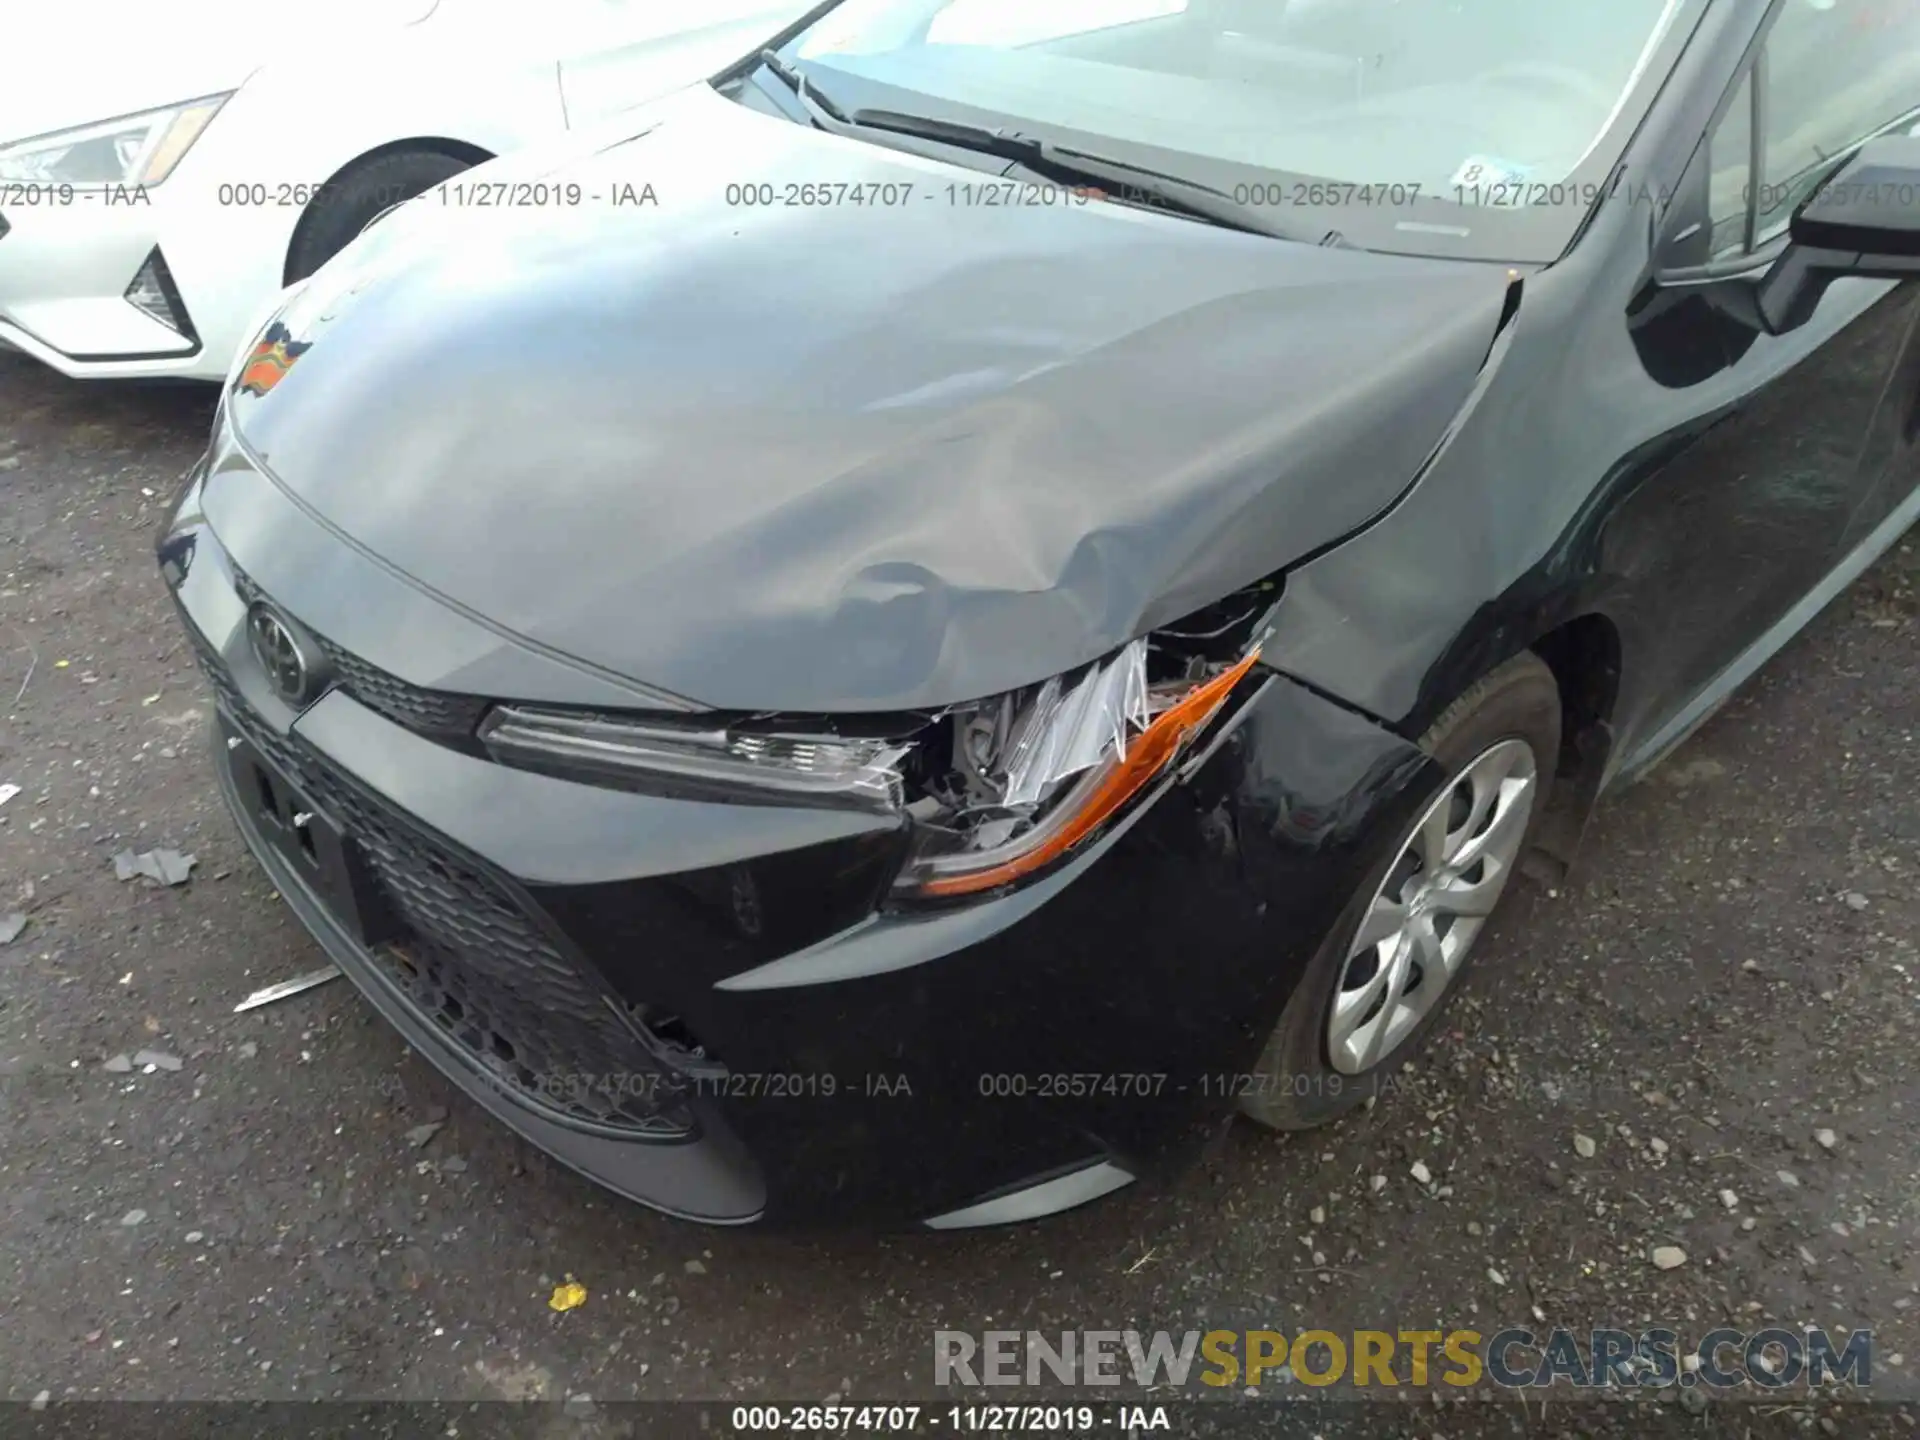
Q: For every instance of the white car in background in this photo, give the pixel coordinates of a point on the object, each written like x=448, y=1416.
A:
x=166, y=169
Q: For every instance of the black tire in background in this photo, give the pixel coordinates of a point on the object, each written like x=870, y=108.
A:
x=1295, y=1086
x=360, y=195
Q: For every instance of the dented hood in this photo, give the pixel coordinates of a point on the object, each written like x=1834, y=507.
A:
x=837, y=457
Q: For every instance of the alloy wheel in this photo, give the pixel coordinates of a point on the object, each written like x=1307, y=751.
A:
x=1422, y=920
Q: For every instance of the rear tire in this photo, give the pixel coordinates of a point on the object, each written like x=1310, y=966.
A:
x=355, y=199
x=1299, y=1083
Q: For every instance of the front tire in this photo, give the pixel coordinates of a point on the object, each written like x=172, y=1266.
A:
x=1383, y=975
x=358, y=197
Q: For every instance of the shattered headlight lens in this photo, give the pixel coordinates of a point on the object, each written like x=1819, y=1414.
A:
x=1038, y=772
x=729, y=763
x=994, y=792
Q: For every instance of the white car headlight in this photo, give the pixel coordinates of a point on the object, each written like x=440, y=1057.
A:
x=133, y=150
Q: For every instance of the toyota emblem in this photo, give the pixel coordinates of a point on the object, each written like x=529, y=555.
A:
x=281, y=656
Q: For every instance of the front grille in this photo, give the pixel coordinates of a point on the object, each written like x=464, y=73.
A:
x=434, y=713
x=476, y=965
x=437, y=714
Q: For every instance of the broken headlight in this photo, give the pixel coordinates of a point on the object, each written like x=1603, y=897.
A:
x=996, y=791
x=1036, y=773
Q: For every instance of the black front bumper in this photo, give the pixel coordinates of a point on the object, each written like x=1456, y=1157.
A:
x=704, y=1008
x=704, y=1177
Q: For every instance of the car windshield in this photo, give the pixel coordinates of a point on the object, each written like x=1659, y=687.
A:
x=1444, y=117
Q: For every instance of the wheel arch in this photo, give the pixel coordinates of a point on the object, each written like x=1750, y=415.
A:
x=452, y=148
x=1584, y=654
x=1582, y=646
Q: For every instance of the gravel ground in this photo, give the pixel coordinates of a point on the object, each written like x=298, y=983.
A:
x=1732, y=972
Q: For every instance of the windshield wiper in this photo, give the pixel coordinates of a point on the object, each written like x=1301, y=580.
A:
x=1119, y=180
x=821, y=107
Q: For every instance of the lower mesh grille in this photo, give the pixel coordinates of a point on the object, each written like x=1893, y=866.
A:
x=476, y=965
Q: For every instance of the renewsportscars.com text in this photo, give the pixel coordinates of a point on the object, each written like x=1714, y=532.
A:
x=1512, y=1358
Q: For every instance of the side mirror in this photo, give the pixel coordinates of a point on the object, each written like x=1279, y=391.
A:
x=1864, y=221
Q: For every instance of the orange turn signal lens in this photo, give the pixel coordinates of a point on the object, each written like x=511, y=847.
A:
x=1097, y=796
x=177, y=138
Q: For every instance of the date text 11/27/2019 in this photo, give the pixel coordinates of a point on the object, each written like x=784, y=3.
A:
x=962, y=1419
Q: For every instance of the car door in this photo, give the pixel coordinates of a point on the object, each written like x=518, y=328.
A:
x=1797, y=446
x=1838, y=73
x=622, y=53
